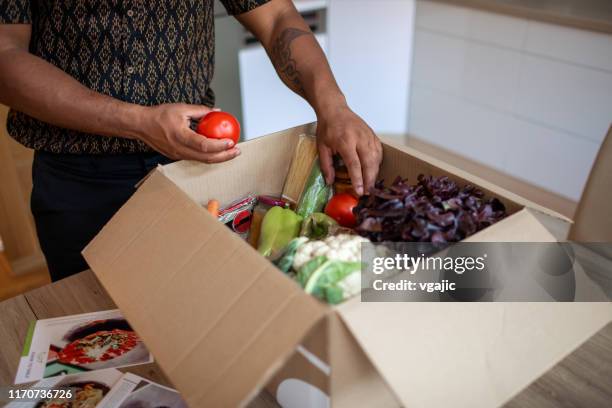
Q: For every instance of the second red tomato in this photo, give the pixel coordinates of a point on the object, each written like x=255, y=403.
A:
x=219, y=125
x=340, y=208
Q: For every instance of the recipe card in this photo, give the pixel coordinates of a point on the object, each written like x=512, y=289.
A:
x=133, y=391
x=85, y=390
x=79, y=343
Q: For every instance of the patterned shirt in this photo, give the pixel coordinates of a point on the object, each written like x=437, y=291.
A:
x=146, y=52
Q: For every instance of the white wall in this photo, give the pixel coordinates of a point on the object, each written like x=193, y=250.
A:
x=528, y=98
x=267, y=104
x=226, y=81
x=369, y=47
x=370, y=51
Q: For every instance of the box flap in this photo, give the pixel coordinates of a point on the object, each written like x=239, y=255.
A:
x=468, y=354
x=218, y=317
x=593, y=220
x=473, y=354
x=527, y=225
x=355, y=382
x=478, y=354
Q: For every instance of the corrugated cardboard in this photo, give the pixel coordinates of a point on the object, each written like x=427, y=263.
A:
x=221, y=320
x=594, y=216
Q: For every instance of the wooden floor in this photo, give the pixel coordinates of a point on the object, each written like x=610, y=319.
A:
x=581, y=380
x=13, y=285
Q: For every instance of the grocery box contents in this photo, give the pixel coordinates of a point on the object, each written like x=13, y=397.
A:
x=316, y=193
x=78, y=343
x=435, y=209
x=302, y=160
x=279, y=226
x=328, y=269
x=237, y=215
x=318, y=241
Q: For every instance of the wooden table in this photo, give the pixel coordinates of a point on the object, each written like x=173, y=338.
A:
x=583, y=379
x=81, y=293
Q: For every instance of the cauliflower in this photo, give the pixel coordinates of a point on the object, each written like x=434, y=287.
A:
x=343, y=247
x=351, y=285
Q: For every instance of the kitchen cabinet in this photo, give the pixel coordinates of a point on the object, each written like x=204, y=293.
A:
x=16, y=223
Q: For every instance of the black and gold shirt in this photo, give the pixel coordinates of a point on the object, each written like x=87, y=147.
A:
x=146, y=52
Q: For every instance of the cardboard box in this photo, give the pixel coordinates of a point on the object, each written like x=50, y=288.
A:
x=223, y=322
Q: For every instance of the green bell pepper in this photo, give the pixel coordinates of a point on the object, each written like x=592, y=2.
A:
x=278, y=228
x=318, y=226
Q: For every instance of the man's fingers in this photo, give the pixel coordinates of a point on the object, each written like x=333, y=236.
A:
x=353, y=165
x=370, y=162
x=215, y=145
x=203, y=144
x=186, y=153
x=196, y=111
x=222, y=156
x=327, y=163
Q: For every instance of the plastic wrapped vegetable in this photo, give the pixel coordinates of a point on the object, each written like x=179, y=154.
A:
x=343, y=247
x=329, y=269
x=329, y=279
x=316, y=193
x=278, y=228
x=285, y=261
x=318, y=225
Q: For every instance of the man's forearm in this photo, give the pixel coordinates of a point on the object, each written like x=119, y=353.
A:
x=303, y=67
x=301, y=63
x=32, y=85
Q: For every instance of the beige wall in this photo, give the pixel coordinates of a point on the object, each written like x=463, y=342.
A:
x=16, y=224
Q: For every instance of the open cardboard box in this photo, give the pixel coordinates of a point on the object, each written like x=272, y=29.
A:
x=223, y=322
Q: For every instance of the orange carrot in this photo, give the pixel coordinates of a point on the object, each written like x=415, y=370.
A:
x=213, y=207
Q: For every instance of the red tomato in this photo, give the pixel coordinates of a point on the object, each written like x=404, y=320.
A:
x=340, y=208
x=219, y=125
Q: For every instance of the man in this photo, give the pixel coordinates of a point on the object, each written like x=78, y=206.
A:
x=105, y=90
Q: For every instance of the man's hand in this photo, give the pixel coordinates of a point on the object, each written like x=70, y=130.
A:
x=36, y=87
x=343, y=132
x=166, y=129
x=302, y=66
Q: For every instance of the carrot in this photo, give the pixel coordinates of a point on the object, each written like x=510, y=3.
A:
x=213, y=207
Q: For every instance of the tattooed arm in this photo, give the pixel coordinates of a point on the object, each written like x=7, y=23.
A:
x=303, y=67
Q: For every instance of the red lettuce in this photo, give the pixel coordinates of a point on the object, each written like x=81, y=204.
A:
x=435, y=210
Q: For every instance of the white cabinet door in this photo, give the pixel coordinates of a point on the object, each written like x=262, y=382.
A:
x=267, y=104
x=370, y=49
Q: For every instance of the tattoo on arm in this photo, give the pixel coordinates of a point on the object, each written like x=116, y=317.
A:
x=283, y=59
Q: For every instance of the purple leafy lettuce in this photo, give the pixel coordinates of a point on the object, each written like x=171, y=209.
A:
x=435, y=210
